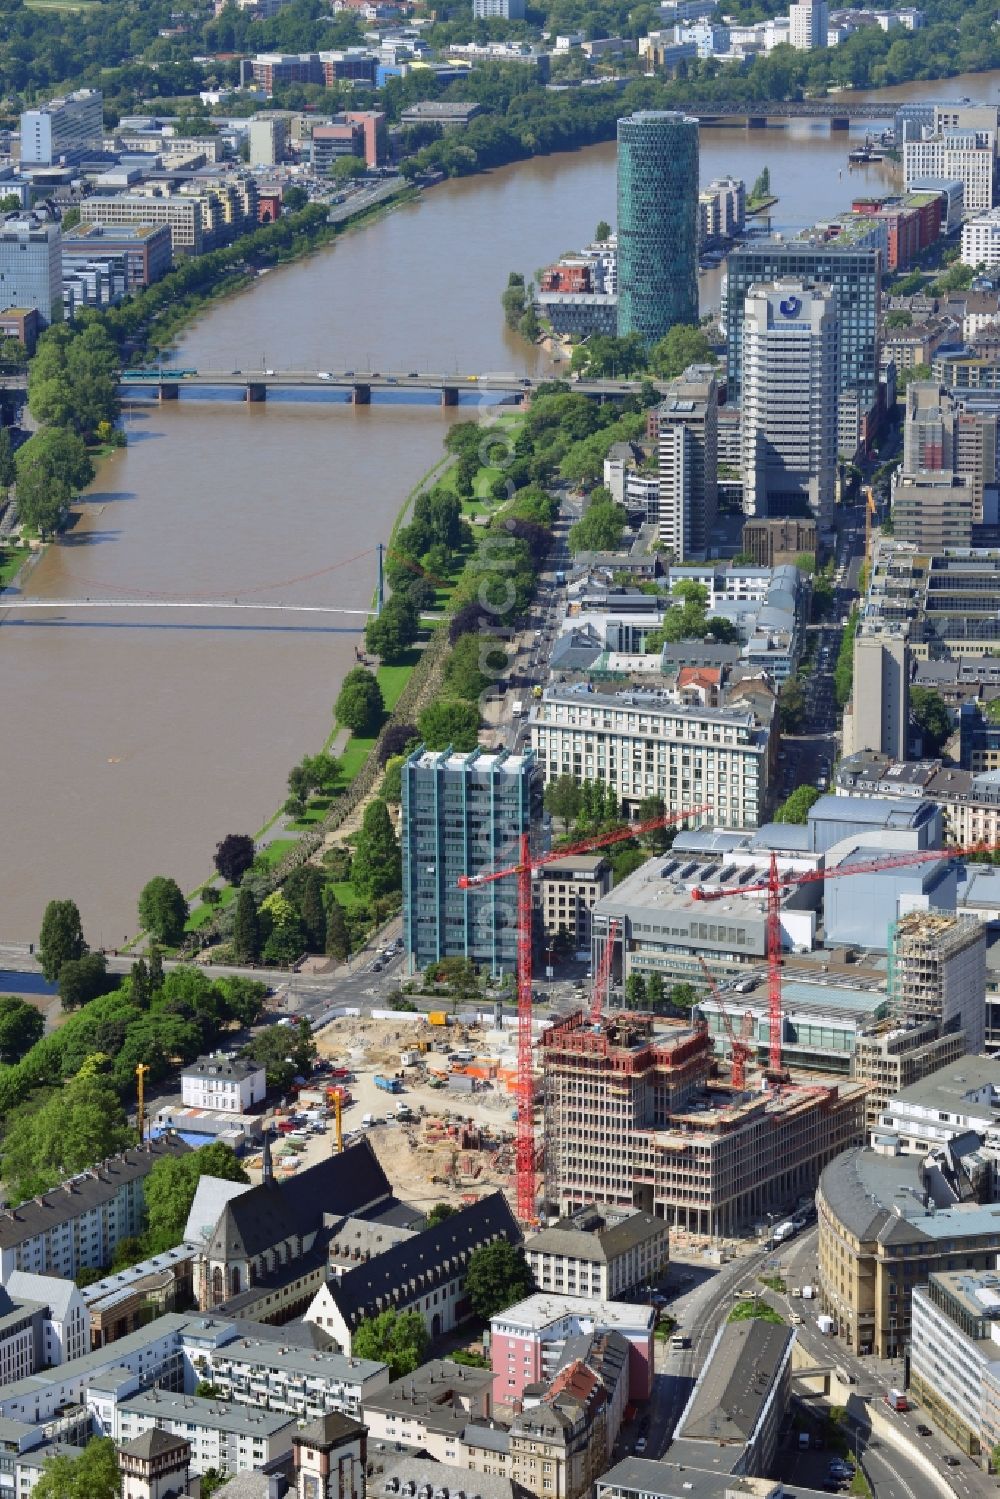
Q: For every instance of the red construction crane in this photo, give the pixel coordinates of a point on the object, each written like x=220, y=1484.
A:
x=603, y=979
x=524, y=1152
x=776, y=884
x=739, y=1046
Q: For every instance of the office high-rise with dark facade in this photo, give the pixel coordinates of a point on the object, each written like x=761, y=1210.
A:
x=855, y=278
x=657, y=223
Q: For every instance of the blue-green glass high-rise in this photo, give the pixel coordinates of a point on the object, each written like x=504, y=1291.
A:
x=657, y=223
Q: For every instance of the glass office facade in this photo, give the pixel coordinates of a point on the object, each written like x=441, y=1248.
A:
x=463, y=814
x=657, y=223
x=855, y=277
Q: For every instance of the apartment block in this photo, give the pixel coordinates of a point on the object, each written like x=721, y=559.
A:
x=228, y=1438
x=687, y=449
x=932, y=511
x=185, y=216
x=641, y=744
x=960, y=1098
x=79, y=1223
x=528, y=1341
x=969, y=803
x=631, y=1117
x=878, y=714
x=937, y=972
x=968, y=156
x=430, y=1408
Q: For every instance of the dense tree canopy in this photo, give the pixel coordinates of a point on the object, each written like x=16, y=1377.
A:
x=21, y=1025
x=171, y=1185
x=498, y=1275
x=163, y=909
x=233, y=856
x=61, y=937
x=359, y=706
x=398, y=1339
x=69, y=1130
x=92, y=1475
x=51, y=467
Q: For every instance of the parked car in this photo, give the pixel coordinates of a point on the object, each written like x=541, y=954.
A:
x=923, y=1431
x=640, y=1445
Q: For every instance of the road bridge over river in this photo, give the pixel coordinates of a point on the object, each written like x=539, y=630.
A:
x=255, y=385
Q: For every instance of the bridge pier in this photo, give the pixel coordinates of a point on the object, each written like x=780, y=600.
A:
x=361, y=395
x=839, y=122
x=449, y=395
x=167, y=391
x=255, y=391
x=756, y=122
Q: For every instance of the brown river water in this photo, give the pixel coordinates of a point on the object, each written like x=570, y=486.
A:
x=134, y=740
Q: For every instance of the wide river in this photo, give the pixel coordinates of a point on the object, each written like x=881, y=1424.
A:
x=134, y=741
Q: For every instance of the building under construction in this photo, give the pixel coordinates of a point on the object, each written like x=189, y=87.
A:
x=937, y=972
x=634, y=1117
x=891, y=1057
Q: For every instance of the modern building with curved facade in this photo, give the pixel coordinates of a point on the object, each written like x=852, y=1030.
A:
x=886, y=1224
x=657, y=223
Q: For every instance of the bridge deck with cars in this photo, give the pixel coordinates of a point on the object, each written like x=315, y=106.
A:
x=168, y=384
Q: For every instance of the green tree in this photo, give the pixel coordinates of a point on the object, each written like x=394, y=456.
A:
x=61, y=937
x=313, y=912
x=390, y=635
x=656, y=998
x=338, y=938
x=21, y=1025
x=472, y=657
x=791, y=706
x=603, y=232
x=398, y=1339
x=347, y=169
x=360, y=706
x=563, y=799
x=683, y=345
x=449, y=722
x=163, y=909
x=51, y=1138
x=635, y=991
x=600, y=529
x=51, y=467
x=92, y=1475
x=294, y=198
x=170, y=1188
x=233, y=856
x=72, y=381
x=83, y=979
x=930, y=714
x=438, y=1213
x=795, y=808
x=8, y=469
x=377, y=866
x=246, y=928
x=497, y=1277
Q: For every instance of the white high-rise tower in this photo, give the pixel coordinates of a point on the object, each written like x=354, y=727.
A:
x=791, y=335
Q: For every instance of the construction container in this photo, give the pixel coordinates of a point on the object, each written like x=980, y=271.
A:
x=437, y=1017
x=461, y=1082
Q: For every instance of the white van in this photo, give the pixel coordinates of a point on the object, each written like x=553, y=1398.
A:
x=367, y=1120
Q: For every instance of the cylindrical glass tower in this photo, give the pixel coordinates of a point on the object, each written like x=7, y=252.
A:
x=657, y=223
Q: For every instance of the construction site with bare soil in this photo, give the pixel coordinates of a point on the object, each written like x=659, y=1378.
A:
x=435, y=1100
